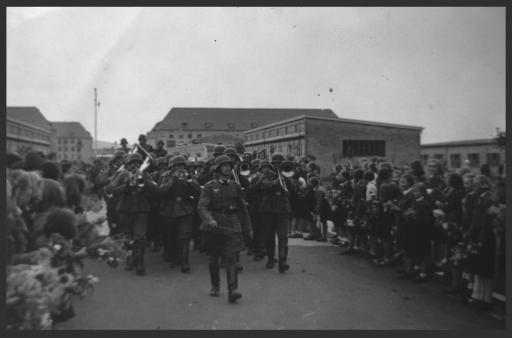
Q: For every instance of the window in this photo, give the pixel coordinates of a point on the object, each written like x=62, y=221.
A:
x=493, y=159
x=171, y=135
x=439, y=157
x=171, y=143
x=474, y=160
x=180, y=136
x=231, y=125
x=184, y=125
x=60, y=149
x=72, y=148
x=199, y=136
x=364, y=148
x=207, y=125
x=424, y=158
x=189, y=135
x=455, y=161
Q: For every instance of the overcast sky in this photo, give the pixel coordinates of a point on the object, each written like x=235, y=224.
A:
x=440, y=68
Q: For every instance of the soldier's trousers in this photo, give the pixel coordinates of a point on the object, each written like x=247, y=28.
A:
x=136, y=226
x=258, y=241
x=178, y=230
x=276, y=224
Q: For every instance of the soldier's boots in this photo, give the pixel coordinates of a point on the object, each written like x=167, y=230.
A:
x=232, y=277
x=139, y=267
x=214, y=270
x=129, y=262
x=283, y=254
x=185, y=244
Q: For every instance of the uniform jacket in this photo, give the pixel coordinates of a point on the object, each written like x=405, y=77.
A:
x=131, y=198
x=178, y=196
x=274, y=199
x=223, y=202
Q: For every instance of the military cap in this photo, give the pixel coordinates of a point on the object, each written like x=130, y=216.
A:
x=277, y=158
x=221, y=160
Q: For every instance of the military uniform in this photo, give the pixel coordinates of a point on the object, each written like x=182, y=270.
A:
x=178, y=210
x=275, y=211
x=222, y=201
x=133, y=209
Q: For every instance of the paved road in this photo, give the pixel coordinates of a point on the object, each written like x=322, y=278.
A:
x=323, y=290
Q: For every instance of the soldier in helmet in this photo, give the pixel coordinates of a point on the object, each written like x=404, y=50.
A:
x=253, y=198
x=160, y=151
x=143, y=144
x=275, y=210
x=112, y=200
x=124, y=146
x=179, y=206
x=225, y=223
x=133, y=208
x=218, y=150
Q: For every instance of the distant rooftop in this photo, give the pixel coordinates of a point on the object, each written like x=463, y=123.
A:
x=70, y=129
x=29, y=115
x=337, y=120
x=241, y=118
x=475, y=142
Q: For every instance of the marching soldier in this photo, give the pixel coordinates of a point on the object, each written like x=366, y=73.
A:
x=180, y=193
x=143, y=144
x=160, y=151
x=133, y=208
x=253, y=197
x=155, y=226
x=124, y=146
x=112, y=200
x=275, y=210
x=225, y=224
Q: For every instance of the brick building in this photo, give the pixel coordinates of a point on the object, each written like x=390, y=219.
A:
x=27, y=129
x=73, y=141
x=185, y=126
x=467, y=153
x=333, y=141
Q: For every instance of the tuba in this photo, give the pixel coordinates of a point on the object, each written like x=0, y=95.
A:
x=245, y=168
x=287, y=169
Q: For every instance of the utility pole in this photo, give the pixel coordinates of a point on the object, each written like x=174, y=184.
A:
x=96, y=105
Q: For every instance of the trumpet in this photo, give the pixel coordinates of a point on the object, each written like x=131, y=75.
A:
x=245, y=168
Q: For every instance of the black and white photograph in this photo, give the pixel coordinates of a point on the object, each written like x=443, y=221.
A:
x=256, y=168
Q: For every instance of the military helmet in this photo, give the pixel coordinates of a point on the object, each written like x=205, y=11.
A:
x=264, y=163
x=177, y=160
x=221, y=160
x=118, y=154
x=231, y=152
x=134, y=158
x=161, y=160
x=124, y=141
x=160, y=142
x=277, y=158
x=218, y=150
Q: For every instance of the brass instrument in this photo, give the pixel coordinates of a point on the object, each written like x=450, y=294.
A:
x=245, y=168
x=235, y=175
x=287, y=169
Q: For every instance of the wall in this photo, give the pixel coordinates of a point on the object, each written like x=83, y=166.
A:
x=324, y=140
x=21, y=137
x=155, y=136
x=464, y=150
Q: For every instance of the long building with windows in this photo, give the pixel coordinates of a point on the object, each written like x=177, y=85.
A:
x=27, y=129
x=466, y=153
x=186, y=126
x=338, y=140
x=73, y=142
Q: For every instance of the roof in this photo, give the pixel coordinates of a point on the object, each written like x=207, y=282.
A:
x=243, y=118
x=337, y=120
x=70, y=129
x=29, y=115
x=476, y=142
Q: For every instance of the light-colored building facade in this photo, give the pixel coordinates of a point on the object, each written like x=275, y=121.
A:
x=186, y=126
x=196, y=152
x=333, y=141
x=73, y=142
x=27, y=129
x=466, y=153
